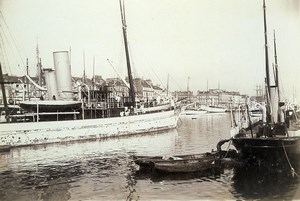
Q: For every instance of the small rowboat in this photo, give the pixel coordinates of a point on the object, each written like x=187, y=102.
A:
x=186, y=165
x=180, y=163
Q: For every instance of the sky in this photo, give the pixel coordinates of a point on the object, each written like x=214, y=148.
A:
x=216, y=43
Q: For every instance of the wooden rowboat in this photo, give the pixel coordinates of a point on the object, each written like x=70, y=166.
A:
x=186, y=165
x=180, y=163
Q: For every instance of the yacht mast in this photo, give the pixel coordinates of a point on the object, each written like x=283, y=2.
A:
x=124, y=26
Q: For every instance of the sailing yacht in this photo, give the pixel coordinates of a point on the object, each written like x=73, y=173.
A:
x=69, y=122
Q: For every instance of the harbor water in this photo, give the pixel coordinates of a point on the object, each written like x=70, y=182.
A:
x=103, y=169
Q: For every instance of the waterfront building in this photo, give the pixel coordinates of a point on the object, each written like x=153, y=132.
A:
x=220, y=97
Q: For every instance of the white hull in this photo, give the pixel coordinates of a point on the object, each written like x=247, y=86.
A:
x=156, y=108
x=21, y=134
x=194, y=112
x=215, y=110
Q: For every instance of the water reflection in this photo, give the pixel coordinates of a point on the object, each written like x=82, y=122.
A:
x=268, y=182
x=246, y=181
x=103, y=169
x=156, y=176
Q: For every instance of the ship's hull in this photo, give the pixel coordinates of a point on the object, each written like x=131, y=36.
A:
x=268, y=149
x=214, y=109
x=194, y=112
x=22, y=134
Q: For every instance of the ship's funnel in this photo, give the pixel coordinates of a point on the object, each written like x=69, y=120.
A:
x=50, y=83
x=63, y=75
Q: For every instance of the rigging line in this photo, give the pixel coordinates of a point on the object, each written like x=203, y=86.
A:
x=5, y=58
x=174, y=79
x=152, y=69
x=158, y=78
x=288, y=160
x=13, y=39
x=178, y=85
x=18, y=51
x=6, y=39
x=14, y=42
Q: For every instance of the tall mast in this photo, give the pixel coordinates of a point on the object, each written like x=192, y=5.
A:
x=276, y=67
x=38, y=64
x=168, y=85
x=93, y=73
x=218, y=92
x=206, y=92
x=266, y=51
x=27, y=80
x=3, y=93
x=84, y=76
x=188, y=88
x=93, y=80
x=124, y=26
x=268, y=87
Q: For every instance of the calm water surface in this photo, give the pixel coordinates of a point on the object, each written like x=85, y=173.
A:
x=103, y=170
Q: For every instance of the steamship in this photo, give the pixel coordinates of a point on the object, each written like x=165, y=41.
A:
x=62, y=114
x=45, y=120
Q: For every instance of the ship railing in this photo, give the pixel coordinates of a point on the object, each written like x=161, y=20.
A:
x=35, y=116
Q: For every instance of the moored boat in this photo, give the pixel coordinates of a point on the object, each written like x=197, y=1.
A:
x=64, y=119
x=194, y=112
x=187, y=165
x=149, y=161
x=270, y=139
x=214, y=109
x=193, y=109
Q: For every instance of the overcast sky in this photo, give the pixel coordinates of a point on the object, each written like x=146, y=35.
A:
x=211, y=41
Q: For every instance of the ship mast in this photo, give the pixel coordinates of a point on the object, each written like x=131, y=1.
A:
x=267, y=63
x=168, y=86
x=124, y=26
x=3, y=94
x=84, y=76
x=276, y=67
x=188, y=89
x=266, y=51
x=38, y=65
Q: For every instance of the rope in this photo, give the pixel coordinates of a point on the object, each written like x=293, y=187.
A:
x=227, y=149
x=3, y=53
x=220, y=143
x=288, y=160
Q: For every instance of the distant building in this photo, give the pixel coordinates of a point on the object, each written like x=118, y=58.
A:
x=92, y=91
x=220, y=97
x=184, y=96
x=117, y=87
